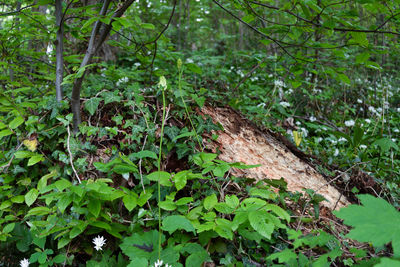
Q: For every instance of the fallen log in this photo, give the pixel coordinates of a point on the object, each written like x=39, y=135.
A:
x=242, y=141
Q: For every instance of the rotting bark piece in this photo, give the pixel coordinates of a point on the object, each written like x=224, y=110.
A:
x=241, y=141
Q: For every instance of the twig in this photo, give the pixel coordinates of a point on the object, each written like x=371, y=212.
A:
x=322, y=186
x=70, y=155
x=6, y=166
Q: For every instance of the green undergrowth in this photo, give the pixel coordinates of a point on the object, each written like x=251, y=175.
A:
x=175, y=202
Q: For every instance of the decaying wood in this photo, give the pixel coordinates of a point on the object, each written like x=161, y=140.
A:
x=241, y=141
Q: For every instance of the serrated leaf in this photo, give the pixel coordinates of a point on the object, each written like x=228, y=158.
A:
x=31, y=196
x=232, y=201
x=259, y=221
x=92, y=104
x=376, y=221
x=210, y=201
x=175, y=222
x=167, y=205
x=64, y=202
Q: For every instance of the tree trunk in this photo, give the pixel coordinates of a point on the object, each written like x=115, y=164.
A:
x=59, y=50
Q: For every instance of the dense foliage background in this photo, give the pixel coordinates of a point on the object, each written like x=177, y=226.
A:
x=100, y=134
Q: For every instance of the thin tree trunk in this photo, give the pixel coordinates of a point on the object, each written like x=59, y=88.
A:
x=93, y=46
x=59, y=51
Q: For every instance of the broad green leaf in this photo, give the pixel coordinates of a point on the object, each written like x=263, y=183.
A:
x=35, y=159
x=5, y=204
x=31, y=196
x=387, y=262
x=376, y=221
x=167, y=205
x=175, y=222
x=259, y=221
x=5, y=132
x=130, y=202
x=158, y=175
x=62, y=184
x=232, y=201
x=16, y=122
x=64, y=202
x=21, y=154
x=92, y=104
x=8, y=228
x=180, y=180
x=94, y=207
x=144, y=154
x=147, y=26
x=210, y=201
x=223, y=208
x=38, y=211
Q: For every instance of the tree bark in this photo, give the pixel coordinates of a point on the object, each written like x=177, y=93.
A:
x=59, y=50
x=93, y=46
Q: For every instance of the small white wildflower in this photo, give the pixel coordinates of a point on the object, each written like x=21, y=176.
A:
x=396, y=130
x=386, y=105
x=363, y=146
x=349, y=123
x=319, y=139
x=261, y=105
x=379, y=109
x=189, y=60
x=284, y=104
x=367, y=120
x=359, y=101
x=304, y=131
x=342, y=139
x=371, y=109
x=99, y=242
x=24, y=263
x=398, y=109
x=334, y=142
x=312, y=118
x=158, y=263
x=394, y=140
x=137, y=64
x=298, y=123
x=279, y=83
x=122, y=80
x=336, y=152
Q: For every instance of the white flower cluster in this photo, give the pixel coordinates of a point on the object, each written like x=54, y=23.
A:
x=99, y=242
x=24, y=263
x=122, y=80
x=159, y=263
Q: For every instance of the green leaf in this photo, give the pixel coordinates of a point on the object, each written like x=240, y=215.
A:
x=21, y=154
x=248, y=18
x=180, y=180
x=386, y=262
x=5, y=204
x=110, y=97
x=232, y=201
x=94, y=207
x=167, y=205
x=5, y=132
x=385, y=144
x=283, y=256
x=175, y=222
x=63, y=242
x=62, y=184
x=38, y=211
x=130, y=202
x=223, y=208
x=196, y=259
x=147, y=26
x=31, y=196
x=144, y=154
x=376, y=221
x=158, y=175
x=259, y=221
x=101, y=224
x=8, y=228
x=210, y=201
x=35, y=159
x=92, y=104
x=17, y=199
x=64, y=202
x=194, y=68
x=16, y=122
